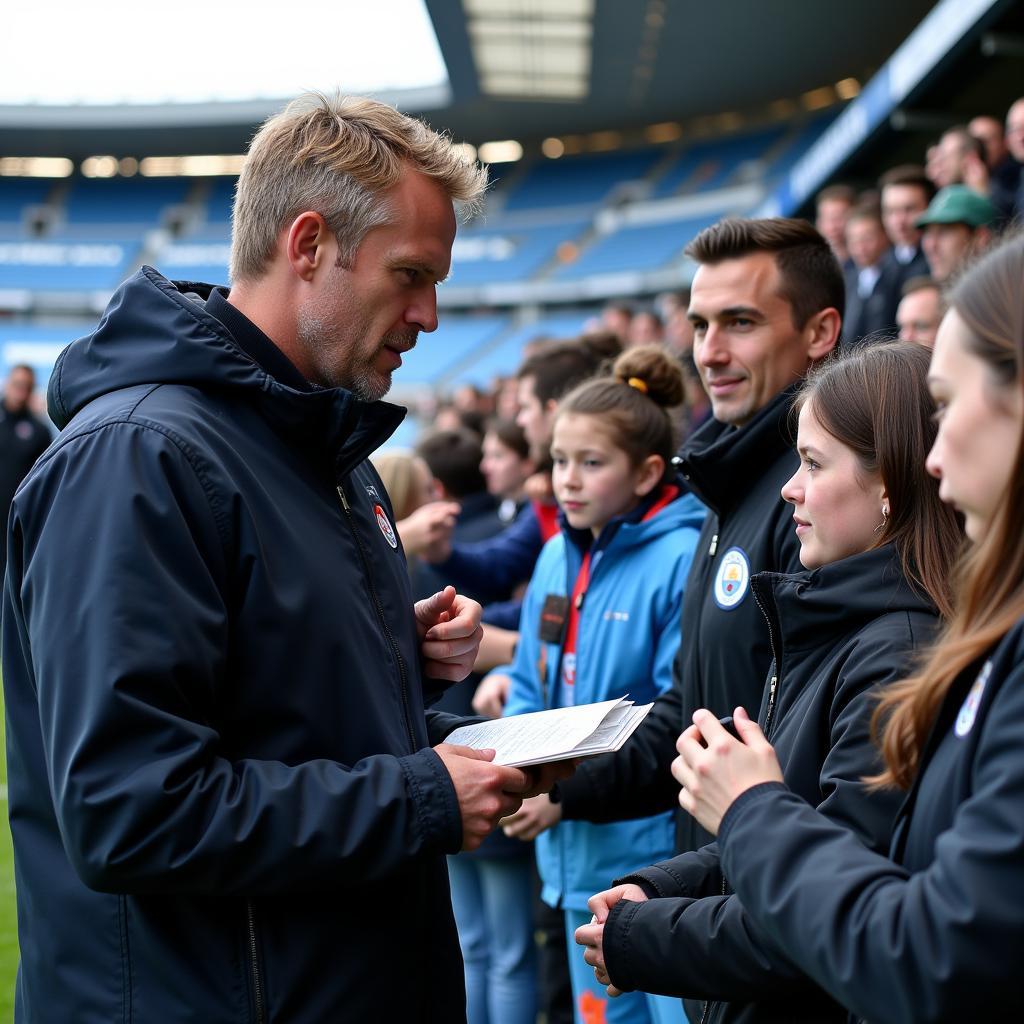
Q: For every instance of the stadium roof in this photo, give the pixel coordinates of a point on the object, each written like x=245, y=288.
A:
x=521, y=68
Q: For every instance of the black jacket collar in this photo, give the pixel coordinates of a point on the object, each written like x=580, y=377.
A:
x=154, y=332
x=718, y=461
x=809, y=608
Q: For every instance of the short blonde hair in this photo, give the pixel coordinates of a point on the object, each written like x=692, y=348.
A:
x=336, y=156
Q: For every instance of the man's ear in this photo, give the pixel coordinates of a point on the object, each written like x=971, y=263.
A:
x=309, y=244
x=821, y=333
x=650, y=474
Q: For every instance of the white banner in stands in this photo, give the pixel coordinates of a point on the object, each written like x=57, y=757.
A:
x=56, y=254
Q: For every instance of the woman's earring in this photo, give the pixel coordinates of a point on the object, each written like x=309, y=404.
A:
x=885, y=519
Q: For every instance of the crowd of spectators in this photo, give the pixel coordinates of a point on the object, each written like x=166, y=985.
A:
x=908, y=237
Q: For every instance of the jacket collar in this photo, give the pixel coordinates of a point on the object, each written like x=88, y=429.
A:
x=155, y=332
x=808, y=609
x=718, y=461
x=584, y=540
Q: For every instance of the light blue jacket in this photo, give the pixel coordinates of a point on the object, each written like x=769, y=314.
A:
x=628, y=635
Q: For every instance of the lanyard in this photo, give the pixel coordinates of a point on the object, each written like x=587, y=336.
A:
x=579, y=591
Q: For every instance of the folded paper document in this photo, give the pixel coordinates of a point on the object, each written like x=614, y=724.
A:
x=554, y=735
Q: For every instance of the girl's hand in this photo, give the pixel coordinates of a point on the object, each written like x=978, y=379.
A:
x=537, y=815
x=713, y=768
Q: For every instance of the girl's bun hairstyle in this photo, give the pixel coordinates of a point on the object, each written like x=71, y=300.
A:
x=656, y=370
x=636, y=404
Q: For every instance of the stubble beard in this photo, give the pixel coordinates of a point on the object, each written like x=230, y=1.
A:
x=338, y=363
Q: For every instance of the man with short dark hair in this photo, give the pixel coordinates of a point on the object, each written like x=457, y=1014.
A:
x=960, y=160
x=226, y=798
x=766, y=304
x=832, y=206
x=905, y=194
x=23, y=438
x=1004, y=171
x=873, y=283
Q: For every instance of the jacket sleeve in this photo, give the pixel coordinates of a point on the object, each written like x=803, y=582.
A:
x=121, y=624
x=710, y=948
x=490, y=569
x=944, y=943
x=694, y=874
x=503, y=614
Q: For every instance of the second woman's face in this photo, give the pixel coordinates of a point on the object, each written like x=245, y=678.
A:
x=979, y=428
x=837, y=507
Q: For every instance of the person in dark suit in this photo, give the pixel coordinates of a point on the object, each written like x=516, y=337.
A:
x=873, y=283
x=906, y=192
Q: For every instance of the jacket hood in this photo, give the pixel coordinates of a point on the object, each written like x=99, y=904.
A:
x=152, y=332
x=718, y=461
x=837, y=599
x=633, y=529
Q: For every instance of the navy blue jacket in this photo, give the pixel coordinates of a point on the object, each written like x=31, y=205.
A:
x=839, y=633
x=935, y=931
x=223, y=803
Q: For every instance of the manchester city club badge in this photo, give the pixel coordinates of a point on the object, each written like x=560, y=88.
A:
x=732, y=579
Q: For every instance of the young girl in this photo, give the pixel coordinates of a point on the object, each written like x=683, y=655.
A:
x=935, y=930
x=601, y=620
x=878, y=544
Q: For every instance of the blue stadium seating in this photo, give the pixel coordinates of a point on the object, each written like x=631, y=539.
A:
x=219, y=200
x=579, y=180
x=784, y=161
x=639, y=247
x=128, y=201
x=443, y=351
x=508, y=253
x=504, y=357
x=18, y=193
x=707, y=165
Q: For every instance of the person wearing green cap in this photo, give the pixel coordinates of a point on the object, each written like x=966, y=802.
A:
x=956, y=225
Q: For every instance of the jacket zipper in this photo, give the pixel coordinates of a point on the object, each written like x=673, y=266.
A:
x=379, y=608
x=254, y=963
x=773, y=685
x=707, y=1002
x=714, y=546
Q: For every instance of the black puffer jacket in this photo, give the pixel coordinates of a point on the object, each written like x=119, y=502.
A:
x=725, y=652
x=222, y=801
x=839, y=633
x=935, y=931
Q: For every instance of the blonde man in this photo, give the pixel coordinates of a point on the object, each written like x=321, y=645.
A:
x=227, y=801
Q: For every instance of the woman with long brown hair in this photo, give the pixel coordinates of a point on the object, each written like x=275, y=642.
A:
x=878, y=545
x=935, y=930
